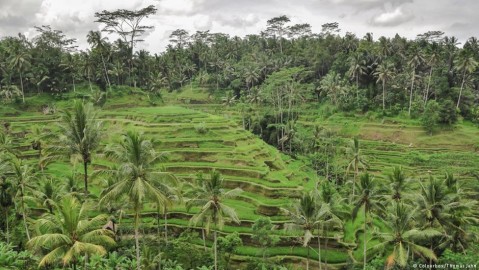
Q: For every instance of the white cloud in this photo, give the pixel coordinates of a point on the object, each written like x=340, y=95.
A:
x=393, y=18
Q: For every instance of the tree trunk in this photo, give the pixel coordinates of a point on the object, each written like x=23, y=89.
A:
x=410, y=94
x=319, y=247
x=106, y=72
x=24, y=215
x=326, y=247
x=204, y=238
x=137, y=240
x=427, y=88
x=364, y=234
x=6, y=221
x=74, y=87
x=165, y=213
x=384, y=95
x=307, y=259
x=460, y=91
x=215, y=250
x=85, y=178
x=21, y=85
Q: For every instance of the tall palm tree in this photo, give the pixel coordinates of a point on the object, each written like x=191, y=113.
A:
x=99, y=43
x=210, y=196
x=20, y=61
x=384, y=72
x=70, y=233
x=357, y=67
x=80, y=134
x=334, y=212
x=402, y=237
x=138, y=181
x=23, y=176
x=416, y=58
x=433, y=59
x=306, y=215
x=465, y=64
x=369, y=198
x=356, y=160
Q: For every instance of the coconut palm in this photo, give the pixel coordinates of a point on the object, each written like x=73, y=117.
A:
x=334, y=211
x=399, y=184
x=356, y=160
x=81, y=133
x=306, y=215
x=433, y=60
x=416, y=58
x=465, y=64
x=6, y=201
x=369, y=198
x=384, y=72
x=210, y=195
x=99, y=43
x=138, y=181
x=402, y=237
x=20, y=61
x=70, y=233
x=22, y=177
x=357, y=67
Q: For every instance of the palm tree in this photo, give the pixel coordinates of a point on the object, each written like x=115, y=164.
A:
x=416, y=58
x=334, y=212
x=210, y=196
x=70, y=233
x=434, y=57
x=357, y=67
x=384, y=73
x=465, y=64
x=399, y=184
x=23, y=176
x=307, y=214
x=81, y=133
x=20, y=62
x=98, y=42
x=370, y=199
x=6, y=201
x=138, y=180
x=356, y=160
x=402, y=237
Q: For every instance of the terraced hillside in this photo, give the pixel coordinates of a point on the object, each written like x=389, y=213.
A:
x=200, y=142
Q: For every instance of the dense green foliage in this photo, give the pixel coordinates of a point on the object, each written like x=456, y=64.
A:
x=296, y=150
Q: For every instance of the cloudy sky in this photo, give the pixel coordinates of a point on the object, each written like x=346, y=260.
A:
x=241, y=17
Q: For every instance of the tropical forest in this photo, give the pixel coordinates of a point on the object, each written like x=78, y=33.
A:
x=283, y=149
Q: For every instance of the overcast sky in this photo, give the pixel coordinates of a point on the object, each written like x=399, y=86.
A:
x=241, y=17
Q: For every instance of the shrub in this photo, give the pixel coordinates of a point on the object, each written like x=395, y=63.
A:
x=201, y=128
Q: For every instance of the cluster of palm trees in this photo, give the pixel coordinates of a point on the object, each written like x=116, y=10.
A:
x=403, y=219
x=68, y=229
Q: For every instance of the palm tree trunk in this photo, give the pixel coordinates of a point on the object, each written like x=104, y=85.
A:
x=6, y=221
x=165, y=213
x=215, y=250
x=85, y=178
x=460, y=91
x=106, y=72
x=326, y=247
x=21, y=85
x=410, y=94
x=319, y=246
x=24, y=215
x=74, y=87
x=137, y=240
x=204, y=238
x=384, y=95
x=427, y=88
x=364, y=234
x=307, y=259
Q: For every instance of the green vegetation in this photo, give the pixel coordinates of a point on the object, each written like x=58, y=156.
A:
x=295, y=150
